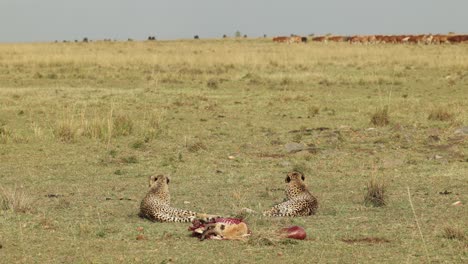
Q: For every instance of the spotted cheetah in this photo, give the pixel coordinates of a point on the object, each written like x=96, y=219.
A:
x=300, y=202
x=156, y=204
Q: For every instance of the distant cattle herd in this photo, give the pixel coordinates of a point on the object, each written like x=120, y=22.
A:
x=356, y=39
x=374, y=39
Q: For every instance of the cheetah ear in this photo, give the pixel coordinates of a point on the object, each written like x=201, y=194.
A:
x=168, y=180
x=302, y=177
x=288, y=179
x=152, y=179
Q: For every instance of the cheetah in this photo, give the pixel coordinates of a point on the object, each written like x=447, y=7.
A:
x=156, y=204
x=300, y=202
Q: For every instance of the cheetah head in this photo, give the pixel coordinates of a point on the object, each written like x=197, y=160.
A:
x=295, y=184
x=295, y=176
x=158, y=180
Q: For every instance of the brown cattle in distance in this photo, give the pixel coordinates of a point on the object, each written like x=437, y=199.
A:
x=320, y=39
x=336, y=38
x=458, y=38
x=414, y=39
x=281, y=39
x=439, y=39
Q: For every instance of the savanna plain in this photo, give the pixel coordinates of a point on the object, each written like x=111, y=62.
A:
x=83, y=126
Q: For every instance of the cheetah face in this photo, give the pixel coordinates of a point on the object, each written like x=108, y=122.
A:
x=294, y=176
x=158, y=179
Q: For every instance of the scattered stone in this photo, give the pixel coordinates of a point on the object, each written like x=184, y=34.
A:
x=231, y=157
x=344, y=127
x=186, y=202
x=437, y=157
x=293, y=147
x=445, y=192
x=248, y=210
x=268, y=155
x=462, y=131
x=457, y=203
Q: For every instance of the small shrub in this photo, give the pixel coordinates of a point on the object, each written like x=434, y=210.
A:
x=453, y=233
x=101, y=233
x=375, y=195
x=138, y=144
x=312, y=111
x=113, y=153
x=380, y=117
x=441, y=114
x=195, y=147
x=15, y=200
x=52, y=76
x=212, y=83
x=65, y=131
x=286, y=81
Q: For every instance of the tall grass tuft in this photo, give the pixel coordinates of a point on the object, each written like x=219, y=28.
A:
x=453, y=233
x=15, y=199
x=123, y=125
x=8, y=135
x=381, y=117
x=5, y=134
x=65, y=131
x=441, y=114
x=375, y=195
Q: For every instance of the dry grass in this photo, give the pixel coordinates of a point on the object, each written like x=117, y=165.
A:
x=370, y=240
x=216, y=116
x=441, y=114
x=15, y=199
x=375, y=194
x=456, y=233
x=381, y=117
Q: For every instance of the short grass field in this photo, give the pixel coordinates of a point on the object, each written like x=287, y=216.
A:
x=83, y=126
